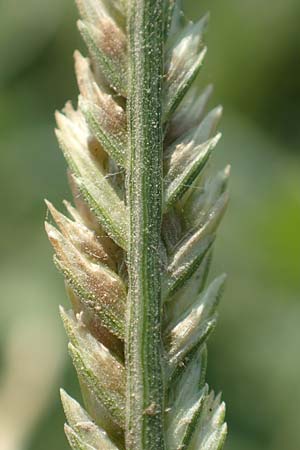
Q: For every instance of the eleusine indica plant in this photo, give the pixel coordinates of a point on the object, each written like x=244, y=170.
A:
x=136, y=250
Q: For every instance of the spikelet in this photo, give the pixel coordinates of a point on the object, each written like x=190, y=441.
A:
x=91, y=240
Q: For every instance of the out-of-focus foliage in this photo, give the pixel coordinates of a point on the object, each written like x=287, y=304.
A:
x=254, y=49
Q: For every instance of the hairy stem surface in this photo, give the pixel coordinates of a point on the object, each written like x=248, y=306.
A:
x=144, y=348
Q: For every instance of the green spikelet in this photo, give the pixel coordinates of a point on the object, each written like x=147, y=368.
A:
x=136, y=249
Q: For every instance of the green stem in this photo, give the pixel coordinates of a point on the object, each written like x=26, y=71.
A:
x=144, y=348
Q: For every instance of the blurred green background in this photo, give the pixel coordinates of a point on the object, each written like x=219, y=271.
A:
x=253, y=61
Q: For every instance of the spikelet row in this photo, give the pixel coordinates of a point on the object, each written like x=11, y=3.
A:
x=90, y=243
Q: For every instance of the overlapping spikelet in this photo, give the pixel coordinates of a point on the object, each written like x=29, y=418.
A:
x=90, y=245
